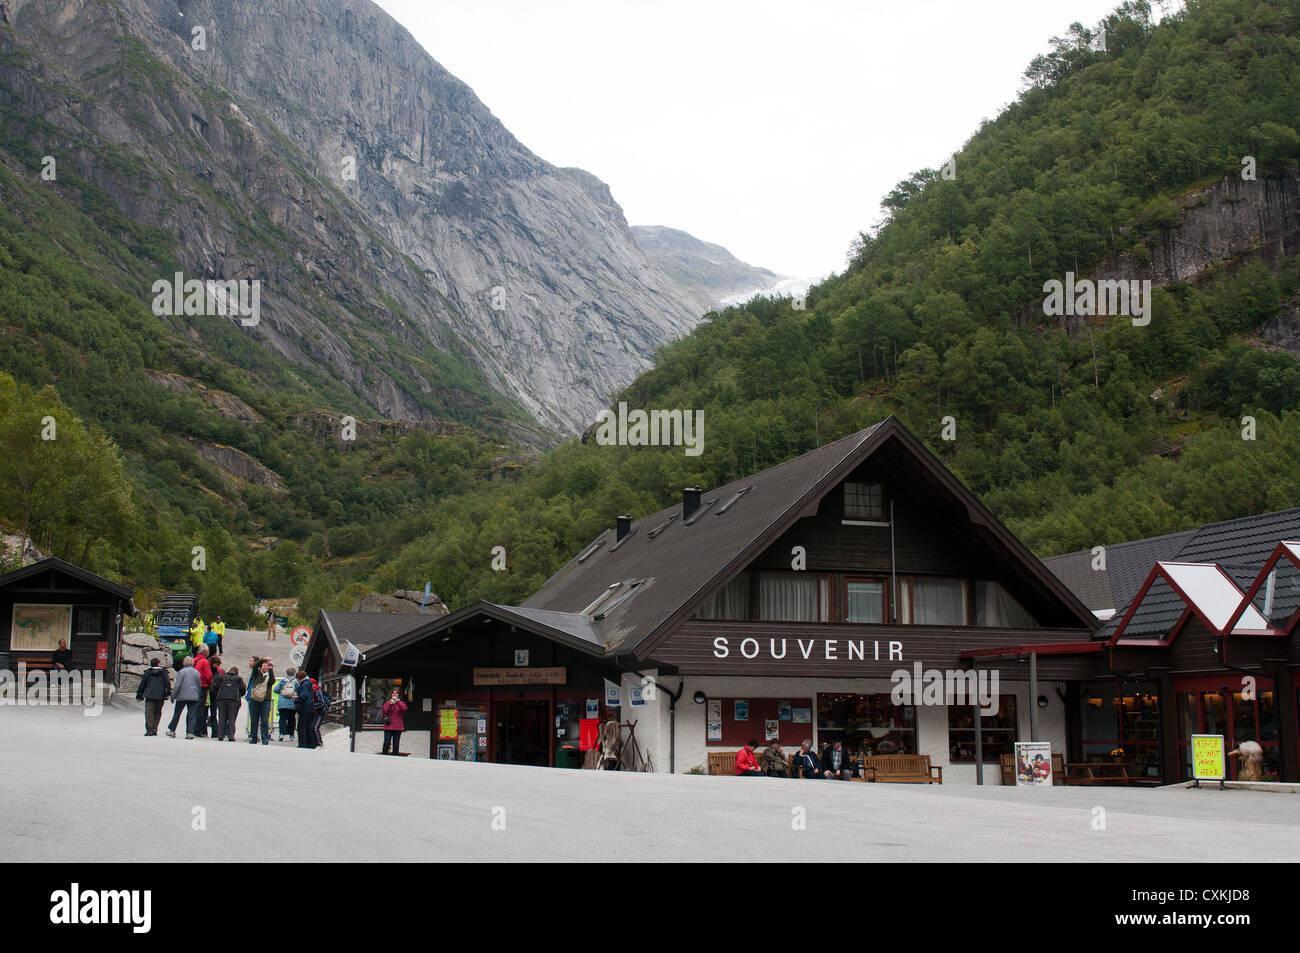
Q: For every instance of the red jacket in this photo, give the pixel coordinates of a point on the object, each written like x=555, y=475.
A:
x=204, y=669
x=745, y=761
x=397, y=711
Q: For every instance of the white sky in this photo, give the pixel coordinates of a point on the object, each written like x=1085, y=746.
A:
x=773, y=129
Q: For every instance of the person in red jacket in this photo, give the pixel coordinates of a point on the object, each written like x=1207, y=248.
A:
x=746, y=763
x=204, y=668
x=394, y=724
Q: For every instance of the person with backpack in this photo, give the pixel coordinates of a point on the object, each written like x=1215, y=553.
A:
x=211, y=713
x=260, y=682
x=229, y=689
x=394, y=724
x=204, y=667
x=305, y=704
x=155, y=686
x=284, y=691
x=321, y=702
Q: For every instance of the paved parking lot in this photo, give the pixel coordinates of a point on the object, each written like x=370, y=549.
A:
x=82, y=789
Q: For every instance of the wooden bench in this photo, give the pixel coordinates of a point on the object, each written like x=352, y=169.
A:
x=34, y=663
x=902, y=769
x=724, y=762
x=1098, y=772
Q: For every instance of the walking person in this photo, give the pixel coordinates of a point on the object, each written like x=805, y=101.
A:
x=305, y=704
x=260, y=681
x=394, y=723
x=186, y=694
x=154, y=688
x=229, y=689
x=211, y=713
x=219, y=627
x=284, y=690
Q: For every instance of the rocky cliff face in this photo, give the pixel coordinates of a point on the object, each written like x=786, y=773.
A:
x=708, y=273
x=405, y=241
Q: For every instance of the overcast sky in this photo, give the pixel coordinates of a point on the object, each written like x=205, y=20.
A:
x=773, y=129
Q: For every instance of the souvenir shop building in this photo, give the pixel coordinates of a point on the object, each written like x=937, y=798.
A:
x=781, y=606
x=777, y=606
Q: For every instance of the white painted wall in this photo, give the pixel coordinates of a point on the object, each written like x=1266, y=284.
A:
x=932, y=721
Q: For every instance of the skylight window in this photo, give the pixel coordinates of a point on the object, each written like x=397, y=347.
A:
x=612, y=598
x=733, y=501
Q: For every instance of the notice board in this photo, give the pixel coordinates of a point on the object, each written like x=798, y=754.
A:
x=760, y=711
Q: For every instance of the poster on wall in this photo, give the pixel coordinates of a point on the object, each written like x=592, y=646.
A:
x=446, y=723
x=783, y=711
x=466, y=748
x=771, y=729
x=1033, y=764
x=446, y=752
x=593, y=707
x=39, y=627
x=613, y=695
x=801, y=716
x=714, y=719
x=1207, y=758
x=742, y=710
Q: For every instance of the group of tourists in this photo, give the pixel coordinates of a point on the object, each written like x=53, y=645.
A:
x=834, y=763
x=208, y=696
x=211, y=634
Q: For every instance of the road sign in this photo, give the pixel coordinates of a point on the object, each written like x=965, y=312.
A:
x=300, y=635
x=351, y=655
x=297, y=655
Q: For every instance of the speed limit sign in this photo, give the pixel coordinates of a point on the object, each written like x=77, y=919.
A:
x=300, y=635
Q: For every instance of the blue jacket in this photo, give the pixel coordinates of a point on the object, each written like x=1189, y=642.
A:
x=306, y=700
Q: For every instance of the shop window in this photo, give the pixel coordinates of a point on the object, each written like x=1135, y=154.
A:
x=864, y=501
x=864, y=600
x=1123, y=727
x=995, y=606
x=997, y=732
x=932, y=601
x=731, y=602
x=461, y=730
x=867, y=724
x=792, y=597
x=730, y=722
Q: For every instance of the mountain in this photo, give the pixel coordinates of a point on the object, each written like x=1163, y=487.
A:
x=708, y=273
x=1168, y=154
x=406, y=244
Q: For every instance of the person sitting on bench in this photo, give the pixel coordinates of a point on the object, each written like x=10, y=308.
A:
x=838, y=764
x=746, y=763
x=807, y=764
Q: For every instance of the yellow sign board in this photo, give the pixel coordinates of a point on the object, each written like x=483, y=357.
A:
x=1207, y=757
x=446, y=723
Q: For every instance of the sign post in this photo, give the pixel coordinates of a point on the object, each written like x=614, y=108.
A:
x=1033, y=764
x=1208, y=759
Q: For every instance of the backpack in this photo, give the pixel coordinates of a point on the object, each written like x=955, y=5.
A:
x=322, y=700
x=287, y=688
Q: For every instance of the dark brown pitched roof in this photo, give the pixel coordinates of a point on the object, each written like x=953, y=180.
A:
x=53, y=563
x=679, y=564
x=1127, y=565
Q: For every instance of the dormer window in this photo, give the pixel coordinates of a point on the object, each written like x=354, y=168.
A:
x=864, y=501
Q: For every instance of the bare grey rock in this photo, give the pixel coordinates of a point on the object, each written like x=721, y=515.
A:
x=451, y=238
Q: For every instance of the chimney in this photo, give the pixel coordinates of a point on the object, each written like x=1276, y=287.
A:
x=624, y=527
x=690, y=501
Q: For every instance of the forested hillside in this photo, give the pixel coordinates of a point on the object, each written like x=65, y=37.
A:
x=1123, y=161
x=1075, y=435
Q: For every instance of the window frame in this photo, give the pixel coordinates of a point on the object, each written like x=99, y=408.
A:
x=854, y=519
